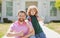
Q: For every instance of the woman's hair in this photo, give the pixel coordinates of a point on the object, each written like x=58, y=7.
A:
x=29, y=10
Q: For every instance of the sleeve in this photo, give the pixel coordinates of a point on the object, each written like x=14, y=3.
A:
x=12, y=27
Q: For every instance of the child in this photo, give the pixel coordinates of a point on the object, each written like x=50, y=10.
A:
x=21, y=28
x=34, y=18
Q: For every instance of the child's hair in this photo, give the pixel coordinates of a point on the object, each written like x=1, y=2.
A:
x=22, y=12
x=29, y=10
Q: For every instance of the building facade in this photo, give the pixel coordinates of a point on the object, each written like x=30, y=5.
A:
x=46, y=8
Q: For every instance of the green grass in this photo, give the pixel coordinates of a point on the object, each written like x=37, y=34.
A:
x=54, y=26
x=5, y=26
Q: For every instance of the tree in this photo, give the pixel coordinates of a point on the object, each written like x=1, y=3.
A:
x=0, y=1
x=57, y=4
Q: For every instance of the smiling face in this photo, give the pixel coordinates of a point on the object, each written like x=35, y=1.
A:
x=21, y=17
x=33, y=11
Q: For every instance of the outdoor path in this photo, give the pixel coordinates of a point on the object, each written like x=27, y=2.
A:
x=49, y=33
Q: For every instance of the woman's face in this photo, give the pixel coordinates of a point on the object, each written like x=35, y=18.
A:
x=33, y=11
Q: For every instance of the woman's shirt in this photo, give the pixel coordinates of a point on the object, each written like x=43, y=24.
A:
x=35, y=24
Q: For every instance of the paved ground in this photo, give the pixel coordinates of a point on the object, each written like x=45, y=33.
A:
x=49, y=33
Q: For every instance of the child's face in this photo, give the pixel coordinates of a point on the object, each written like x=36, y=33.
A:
x=33, y=11
x=21, y=17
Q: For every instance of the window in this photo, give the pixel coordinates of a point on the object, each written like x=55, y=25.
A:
x=9, y=8
x=52, y=3
x=53, y=10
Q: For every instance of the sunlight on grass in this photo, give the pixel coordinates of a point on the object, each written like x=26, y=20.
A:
x=3, y=28
x=54, y=26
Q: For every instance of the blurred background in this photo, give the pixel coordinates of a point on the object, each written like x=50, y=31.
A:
x=49, y=10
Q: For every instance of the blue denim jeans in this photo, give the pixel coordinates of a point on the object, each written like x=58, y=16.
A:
x=33, y=36
x=40, y=35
